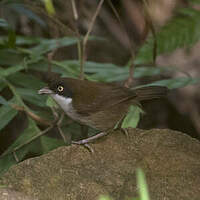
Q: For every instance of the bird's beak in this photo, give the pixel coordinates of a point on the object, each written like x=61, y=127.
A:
x=45, y=90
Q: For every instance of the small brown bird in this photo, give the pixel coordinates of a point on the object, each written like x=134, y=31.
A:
x=97, y=105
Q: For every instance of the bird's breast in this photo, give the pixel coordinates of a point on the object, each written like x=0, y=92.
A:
x=67, y=106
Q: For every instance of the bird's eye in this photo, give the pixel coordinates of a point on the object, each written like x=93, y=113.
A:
x=60, y=88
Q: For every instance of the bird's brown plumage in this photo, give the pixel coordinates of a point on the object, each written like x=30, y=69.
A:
x=102, y=105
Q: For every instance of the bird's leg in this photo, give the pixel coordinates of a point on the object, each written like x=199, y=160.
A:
x=125, y=131
x=84, y=134
x=90, y=139
x=85, y=142
x=89, y=147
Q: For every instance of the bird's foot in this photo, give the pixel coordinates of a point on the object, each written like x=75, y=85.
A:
x=124, y=131
x=85, y=142
x=90, y=139
x=82, y=142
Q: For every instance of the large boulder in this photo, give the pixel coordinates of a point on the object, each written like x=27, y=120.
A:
x=170, y=160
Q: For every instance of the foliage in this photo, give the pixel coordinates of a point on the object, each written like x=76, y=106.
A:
x=132, y=118
x=181, y=31
x=22, y=57
x=142, y=185
x=49, y=7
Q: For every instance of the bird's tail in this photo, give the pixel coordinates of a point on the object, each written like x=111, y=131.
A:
x=151, y=92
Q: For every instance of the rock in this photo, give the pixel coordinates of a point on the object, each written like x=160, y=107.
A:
x=7, y=194
x=170, y=160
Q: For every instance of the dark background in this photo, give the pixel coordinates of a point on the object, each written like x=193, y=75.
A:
x=179, y=111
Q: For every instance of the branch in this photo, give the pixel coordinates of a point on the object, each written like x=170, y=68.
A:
x=150, y=23
x=121, y=24
x=27, y=142
x=129, y=81
x=85, y=39
x=74, y=10
x=32, y=115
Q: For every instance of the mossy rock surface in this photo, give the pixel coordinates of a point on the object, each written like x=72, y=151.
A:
x=170, y=160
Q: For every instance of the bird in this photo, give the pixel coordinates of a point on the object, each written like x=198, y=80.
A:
x=97, y=104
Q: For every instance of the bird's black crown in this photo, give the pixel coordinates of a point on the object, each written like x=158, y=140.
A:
x=60, y=88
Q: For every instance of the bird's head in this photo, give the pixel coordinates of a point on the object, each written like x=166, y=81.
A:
x=59, y=91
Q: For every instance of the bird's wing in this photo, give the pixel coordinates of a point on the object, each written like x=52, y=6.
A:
x=93, y=97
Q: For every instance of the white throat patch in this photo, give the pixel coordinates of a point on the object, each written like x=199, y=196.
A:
x=63, y=102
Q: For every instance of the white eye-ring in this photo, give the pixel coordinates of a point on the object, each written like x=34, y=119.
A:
x=60, y=88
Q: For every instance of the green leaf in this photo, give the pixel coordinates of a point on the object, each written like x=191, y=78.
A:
x=132, y=118
x=3, y=186
x=2, y=85
x=109, y=72
x=49, y=7
x=31, y=131
x=6, y=162
x=28, y=40
x=49, y=144
x=142, y=185
x=73, y=70
x=174, y=83
x=7, y=113
x=103, y=197
x=21, y=40
x=26, y=80
x=22, y=10
x=181, y=31
x=32, y=96
x=7, y=159
x=45, y=114
x=11, y=39
x=4, y=23
x=51, y=103
x=51, y=44
x=11, y=70
x=42, y=65
x=13, y=90
x=3, y=101
x=10, y=57
x=194, y=1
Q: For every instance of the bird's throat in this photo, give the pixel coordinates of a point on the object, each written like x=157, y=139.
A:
x=66, y=105
x=64, y=102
